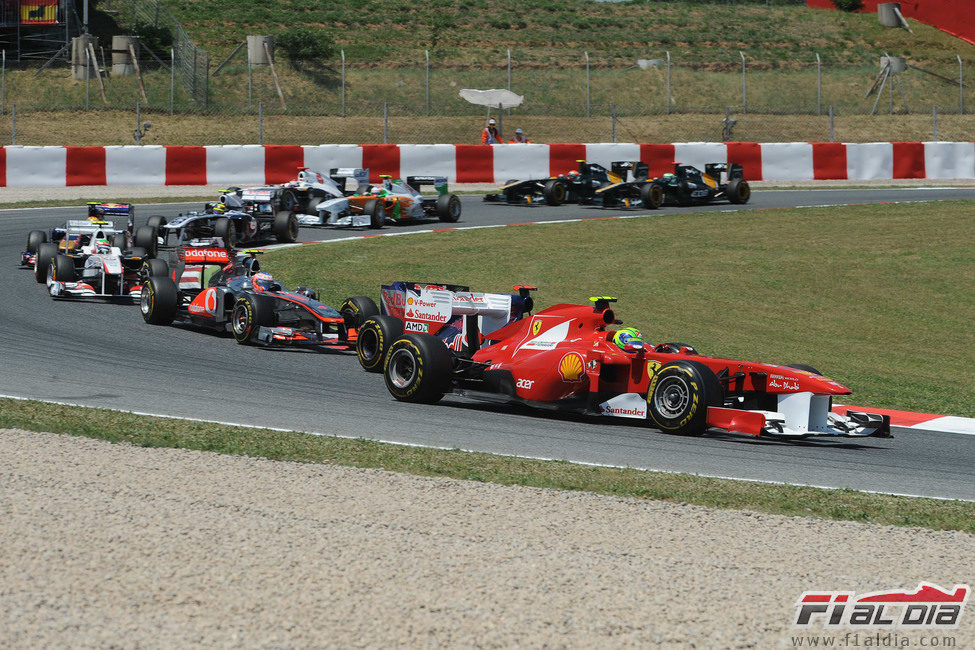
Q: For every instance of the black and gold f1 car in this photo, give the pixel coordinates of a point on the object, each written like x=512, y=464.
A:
x=591, y=183
x=688, y=185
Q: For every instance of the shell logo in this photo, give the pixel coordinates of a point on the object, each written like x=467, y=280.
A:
x=572, y=367
x=536, y=327
x=409, y=301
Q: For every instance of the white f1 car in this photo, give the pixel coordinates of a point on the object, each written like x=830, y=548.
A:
x=97, y=267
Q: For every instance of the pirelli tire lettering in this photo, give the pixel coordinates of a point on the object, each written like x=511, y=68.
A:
x=678, y=396
x=373, y=340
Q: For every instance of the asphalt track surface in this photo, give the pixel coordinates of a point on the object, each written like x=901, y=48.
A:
x=104, y=355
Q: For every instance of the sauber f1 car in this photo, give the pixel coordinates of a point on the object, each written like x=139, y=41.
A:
x=75, y=234
x=564, y=357
x=591, y=183
x=452, y=313
x=401, y=201
x=687, y=185
x=212, y=287
x=315, y=198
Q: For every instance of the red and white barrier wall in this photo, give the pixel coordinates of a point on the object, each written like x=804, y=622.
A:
x=257, y=164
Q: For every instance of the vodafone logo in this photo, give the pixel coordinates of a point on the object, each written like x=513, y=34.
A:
x=206, y=255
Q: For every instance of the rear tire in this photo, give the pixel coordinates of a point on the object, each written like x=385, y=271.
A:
x=679, y=395
x=250, y=313
x=554, y=192
x=290, y=202
x=375, y=335
x=146, y=237
x=120, y=241
x=34, y=239
x=448, y=208
x=61, y=269
x=285, y=227
x=738, y=191
x=156, y=221
x=45, y=253
x=377, y=213
x=159, y=301
x=357, y=309
x=652, y=196
x=417, y=369
x=155, y=268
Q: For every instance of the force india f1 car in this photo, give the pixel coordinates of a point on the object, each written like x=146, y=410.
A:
x=221, y=290
x=564, y=357
x=401, y=201
x=591, y=183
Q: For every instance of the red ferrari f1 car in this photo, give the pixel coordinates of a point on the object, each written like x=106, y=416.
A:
x=564, y=357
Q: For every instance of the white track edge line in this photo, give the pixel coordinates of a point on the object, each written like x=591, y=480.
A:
x=475, y=451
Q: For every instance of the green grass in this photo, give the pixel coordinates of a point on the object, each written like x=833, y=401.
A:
x=878, y=297
x=118, y=427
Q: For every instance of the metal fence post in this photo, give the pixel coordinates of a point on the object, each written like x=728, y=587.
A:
x=250, y=97
x=385, y=122
x=668, y=82
x=744, y=85
x=343, y=82
x=934, y=122
x=427, y=54
x=961, y=86
x=819, y=85
x=613, y=109
x=509, y=68
x=588, y=96
x=13, y=123
x=3, y=85
x=87, y=79
x=138, y=124
x=260, y=122
x=172, y=80
x=831, y=137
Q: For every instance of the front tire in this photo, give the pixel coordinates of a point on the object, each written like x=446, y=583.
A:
x=652, y=196
x=374, y=337
x=61, y=269
x=285, y=227
x=554, y=192
x=226, y=230
x=34, y=239
x=377, y=213
x=357, y=309
x=679, y=396
x=155, y=268
x=156, y=221
x=250, y=313
x=448, y=208
x=45, y=254
x=417, y=369
x=159, y=301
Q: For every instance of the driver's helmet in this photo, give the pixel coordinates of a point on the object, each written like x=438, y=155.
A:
x=263, y=282
x=573, y=175
x=628, y=336
x=219, y=208
x=102, y=245
x=669, y=176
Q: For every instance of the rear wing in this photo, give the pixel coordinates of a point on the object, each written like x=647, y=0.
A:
x=630, y=171
x=733, y=170
x=439, y=183
x=103, y=210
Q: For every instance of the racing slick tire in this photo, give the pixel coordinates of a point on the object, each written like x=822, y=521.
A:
x=156, y=221
x=377, y=213
x=45, y=253
x=226, y=230
x=146, y=237
x=802, y=366
x=250, y=313
x=679, y=395
x=61, y=269
x=448, y=207
x=290, y=202
x=357, y=309
x=652, y=196
x=417, y=369
x=120, y=241
x=285, y=227
x=738, y=191
x=154, y=268
x=159, y=301
x=554, y=192
x=34, y=239
x=375, y=336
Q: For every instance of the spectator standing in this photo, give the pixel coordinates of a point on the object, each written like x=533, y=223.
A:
x=490, y=134
x=520, y=137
